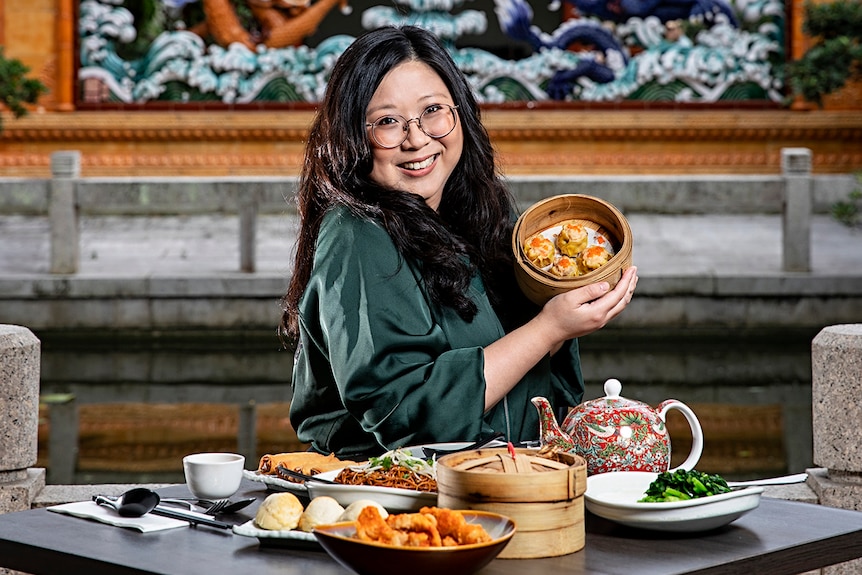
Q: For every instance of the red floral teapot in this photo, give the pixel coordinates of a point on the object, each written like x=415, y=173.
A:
x=613, y=433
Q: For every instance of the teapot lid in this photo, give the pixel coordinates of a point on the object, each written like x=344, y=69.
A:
x=613, y=387
x=612, y=399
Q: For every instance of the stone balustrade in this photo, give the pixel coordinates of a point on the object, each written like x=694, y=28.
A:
x=793, y=190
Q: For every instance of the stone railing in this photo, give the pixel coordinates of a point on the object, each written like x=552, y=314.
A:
x=793, y=192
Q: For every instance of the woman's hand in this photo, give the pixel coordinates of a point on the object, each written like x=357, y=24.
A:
x=566, y=316
x=582, y=311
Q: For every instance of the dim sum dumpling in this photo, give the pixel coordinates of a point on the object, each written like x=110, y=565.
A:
x=539, y=250
x=565, y=267
x=593, y=258
x=572, y=239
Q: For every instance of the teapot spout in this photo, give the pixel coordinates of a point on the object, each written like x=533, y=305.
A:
x=550, y=432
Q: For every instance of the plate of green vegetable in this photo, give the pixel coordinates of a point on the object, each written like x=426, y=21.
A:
x=681, y=501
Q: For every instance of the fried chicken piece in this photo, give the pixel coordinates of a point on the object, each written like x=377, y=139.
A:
x=417, y=523
x=370, y=526
x=448, y=521
x=472, y=533
x=452, y=526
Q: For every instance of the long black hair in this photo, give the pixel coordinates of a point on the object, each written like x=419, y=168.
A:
x=471, y=229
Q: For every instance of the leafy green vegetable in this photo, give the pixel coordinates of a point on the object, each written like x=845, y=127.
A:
x=682, y=485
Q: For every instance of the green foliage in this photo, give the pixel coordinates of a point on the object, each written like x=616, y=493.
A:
x=848, y=212
x=836, y=57
x=15, y=89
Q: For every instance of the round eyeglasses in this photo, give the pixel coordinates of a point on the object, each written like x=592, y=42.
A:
x=437, y=121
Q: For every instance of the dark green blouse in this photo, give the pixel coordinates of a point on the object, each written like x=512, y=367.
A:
x=379, y=366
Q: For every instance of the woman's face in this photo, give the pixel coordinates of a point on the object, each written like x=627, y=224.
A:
x=421, y=164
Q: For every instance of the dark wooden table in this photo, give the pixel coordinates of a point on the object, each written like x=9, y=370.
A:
x=779, y=537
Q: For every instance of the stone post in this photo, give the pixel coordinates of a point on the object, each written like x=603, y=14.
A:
x=796, y=222
x=836, y=388
x=63, y=212
x=247, y=229
x=20, y=357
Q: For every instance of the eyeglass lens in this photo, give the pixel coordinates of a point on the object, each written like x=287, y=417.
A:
x=436, y=121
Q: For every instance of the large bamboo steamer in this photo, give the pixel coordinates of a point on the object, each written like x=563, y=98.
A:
x=544, y=497
x=540, y=286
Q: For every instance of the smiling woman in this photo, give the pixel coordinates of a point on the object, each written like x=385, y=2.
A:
x=408, y=322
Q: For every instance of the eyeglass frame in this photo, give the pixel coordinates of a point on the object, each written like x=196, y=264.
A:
x=418, y=121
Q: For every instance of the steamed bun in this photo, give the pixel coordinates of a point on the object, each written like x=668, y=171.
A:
x=320, y=511
x=278, y=511
x=353, y=510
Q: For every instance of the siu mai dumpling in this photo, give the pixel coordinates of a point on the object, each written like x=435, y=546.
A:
x=572, y=239
x=565, y=267
x=539, y=250
x=593, y=258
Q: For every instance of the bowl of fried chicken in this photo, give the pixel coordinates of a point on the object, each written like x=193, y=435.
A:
x=433, y=541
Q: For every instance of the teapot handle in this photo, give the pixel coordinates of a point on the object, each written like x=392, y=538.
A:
x=696, y=431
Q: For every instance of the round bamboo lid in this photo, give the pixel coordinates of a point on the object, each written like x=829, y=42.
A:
x=520, y=475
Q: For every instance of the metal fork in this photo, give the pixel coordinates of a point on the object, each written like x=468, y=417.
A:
x=212, y=506
x=217, y=506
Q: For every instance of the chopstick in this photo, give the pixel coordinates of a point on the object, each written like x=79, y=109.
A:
x=282, y=470
x=193, y=519
x=429, y=452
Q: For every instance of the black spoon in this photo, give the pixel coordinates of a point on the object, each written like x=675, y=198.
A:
x=140, y=501
x=133, y=503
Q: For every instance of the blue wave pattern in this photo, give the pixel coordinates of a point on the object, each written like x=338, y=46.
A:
x=633, y=59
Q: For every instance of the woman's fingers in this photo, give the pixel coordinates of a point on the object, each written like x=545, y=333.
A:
x=587, y=309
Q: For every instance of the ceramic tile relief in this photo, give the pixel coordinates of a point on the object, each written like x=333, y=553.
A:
x=280, y=51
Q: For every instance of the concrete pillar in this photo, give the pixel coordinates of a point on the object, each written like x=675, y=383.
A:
x=63, y=212
x=796, y=222
x=247, y=232
x=836, y=359
x=247, y=435
x=63, y=438
x=20, y=358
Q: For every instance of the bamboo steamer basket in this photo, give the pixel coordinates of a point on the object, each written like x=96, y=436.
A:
x=544, y=497
x=540, y=286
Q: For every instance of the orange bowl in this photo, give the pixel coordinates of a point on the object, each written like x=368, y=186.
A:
x=540, y=286
x=367, y=558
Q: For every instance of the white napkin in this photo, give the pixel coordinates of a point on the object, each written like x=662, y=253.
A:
x=92, y=510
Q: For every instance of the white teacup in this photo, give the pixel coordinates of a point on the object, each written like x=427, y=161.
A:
x=213, y=475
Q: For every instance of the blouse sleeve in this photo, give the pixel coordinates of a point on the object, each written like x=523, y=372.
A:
x=397, y=371
x=566, y=376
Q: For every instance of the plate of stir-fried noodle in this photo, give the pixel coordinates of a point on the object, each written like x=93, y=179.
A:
x=397, y=480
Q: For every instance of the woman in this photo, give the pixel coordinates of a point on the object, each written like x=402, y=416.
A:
x=409, y=325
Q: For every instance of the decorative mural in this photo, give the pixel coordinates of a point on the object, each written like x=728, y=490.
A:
x=255, y=51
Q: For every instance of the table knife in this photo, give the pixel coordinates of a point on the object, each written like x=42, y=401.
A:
x=192, y=518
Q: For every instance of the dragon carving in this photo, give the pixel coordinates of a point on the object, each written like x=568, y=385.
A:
x=282, y=23
x=664, y=10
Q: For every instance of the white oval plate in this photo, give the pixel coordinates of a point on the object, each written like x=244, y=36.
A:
x=284, y=538
x=275, y=483
x=391, y=498
x=615, y=495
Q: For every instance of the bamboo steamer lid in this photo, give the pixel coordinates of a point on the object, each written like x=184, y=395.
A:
x=544, y=497
x=540, y=286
